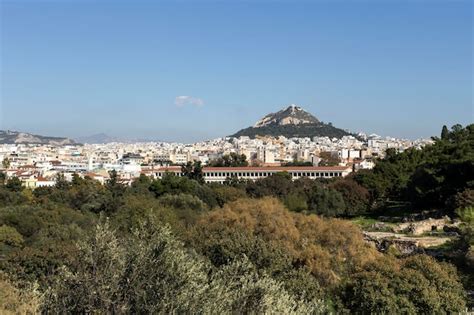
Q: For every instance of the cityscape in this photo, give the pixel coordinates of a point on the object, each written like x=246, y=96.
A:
x=236, y=157
x=38, y=164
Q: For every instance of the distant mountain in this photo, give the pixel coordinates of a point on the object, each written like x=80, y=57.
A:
x=101, y=138
x=292, y=121
x=97, y=139
x=16, y=137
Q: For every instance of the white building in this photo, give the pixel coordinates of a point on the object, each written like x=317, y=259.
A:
x=221, y=174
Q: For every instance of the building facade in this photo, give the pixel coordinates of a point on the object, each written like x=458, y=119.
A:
x=221, y=174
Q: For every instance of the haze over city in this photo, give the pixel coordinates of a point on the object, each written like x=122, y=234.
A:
x=188, y=71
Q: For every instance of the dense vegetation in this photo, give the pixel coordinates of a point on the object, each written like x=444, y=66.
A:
x=432, y=178
x=230, y=160
x=270, y=246
x=304, y=130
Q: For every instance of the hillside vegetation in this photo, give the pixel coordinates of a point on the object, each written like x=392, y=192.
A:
x=290, y=131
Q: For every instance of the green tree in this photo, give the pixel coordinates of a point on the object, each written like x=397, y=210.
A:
x=327, y=202
x=141, y=186
x=193, y=171
x=444, y=133
x=296, y=202
x=356, y=198
x=62, y=183
x=116, y=190
x=6, y=163
x=415, y=285
x=328, y=159
x=14, y=184
x=230, y=160
x=9, y=238
x=153, y=272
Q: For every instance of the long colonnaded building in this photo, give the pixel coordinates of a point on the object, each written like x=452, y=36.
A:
x=221, y=174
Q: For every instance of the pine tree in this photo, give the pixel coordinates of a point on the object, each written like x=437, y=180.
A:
x=444, y=133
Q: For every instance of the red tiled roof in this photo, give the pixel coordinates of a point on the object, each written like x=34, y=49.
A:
x=263, y=169
x=279, y=168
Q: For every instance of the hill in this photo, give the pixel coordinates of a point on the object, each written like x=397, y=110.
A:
x=102, y=138
x=292, y=121
x=16, y=137
x=97, y=138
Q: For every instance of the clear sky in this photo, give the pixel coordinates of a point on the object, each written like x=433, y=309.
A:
x=192, y=70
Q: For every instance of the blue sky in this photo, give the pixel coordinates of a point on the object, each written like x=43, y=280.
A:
x=75, y=68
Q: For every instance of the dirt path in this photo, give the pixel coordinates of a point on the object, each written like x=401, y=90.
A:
x=420, y=241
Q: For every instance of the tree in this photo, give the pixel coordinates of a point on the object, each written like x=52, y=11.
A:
x=428, y=178
x=296, y=202
x=328, y=159
x=193, y=171
x=113, y=183
x=97, y=282
x=3, y=177
x=141, y=186
x=14, y=184
x=415, y=285
x=329, y=249
x=444, y=133
x=6, y=163
x=326, y=202
x=116, y=190
x=230, y=160
x=278, y=185
x=62, y=183
x=356, y=197
x=153, y=272
x=10, y=237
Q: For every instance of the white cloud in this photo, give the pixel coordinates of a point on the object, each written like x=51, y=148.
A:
x=183, y=100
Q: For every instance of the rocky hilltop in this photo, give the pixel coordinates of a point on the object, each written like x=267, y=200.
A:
x=292, y=115
x=16, y=137
x=292, y=121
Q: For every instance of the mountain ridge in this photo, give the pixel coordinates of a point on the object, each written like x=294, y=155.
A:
x=18, y=137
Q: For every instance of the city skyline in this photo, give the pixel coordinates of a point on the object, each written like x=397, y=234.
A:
x=187, y=72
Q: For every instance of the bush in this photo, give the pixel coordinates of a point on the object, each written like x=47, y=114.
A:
x=466, y=214
x=154, y=273
x=416, y=285
x=329, y=249
x=19, y=299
